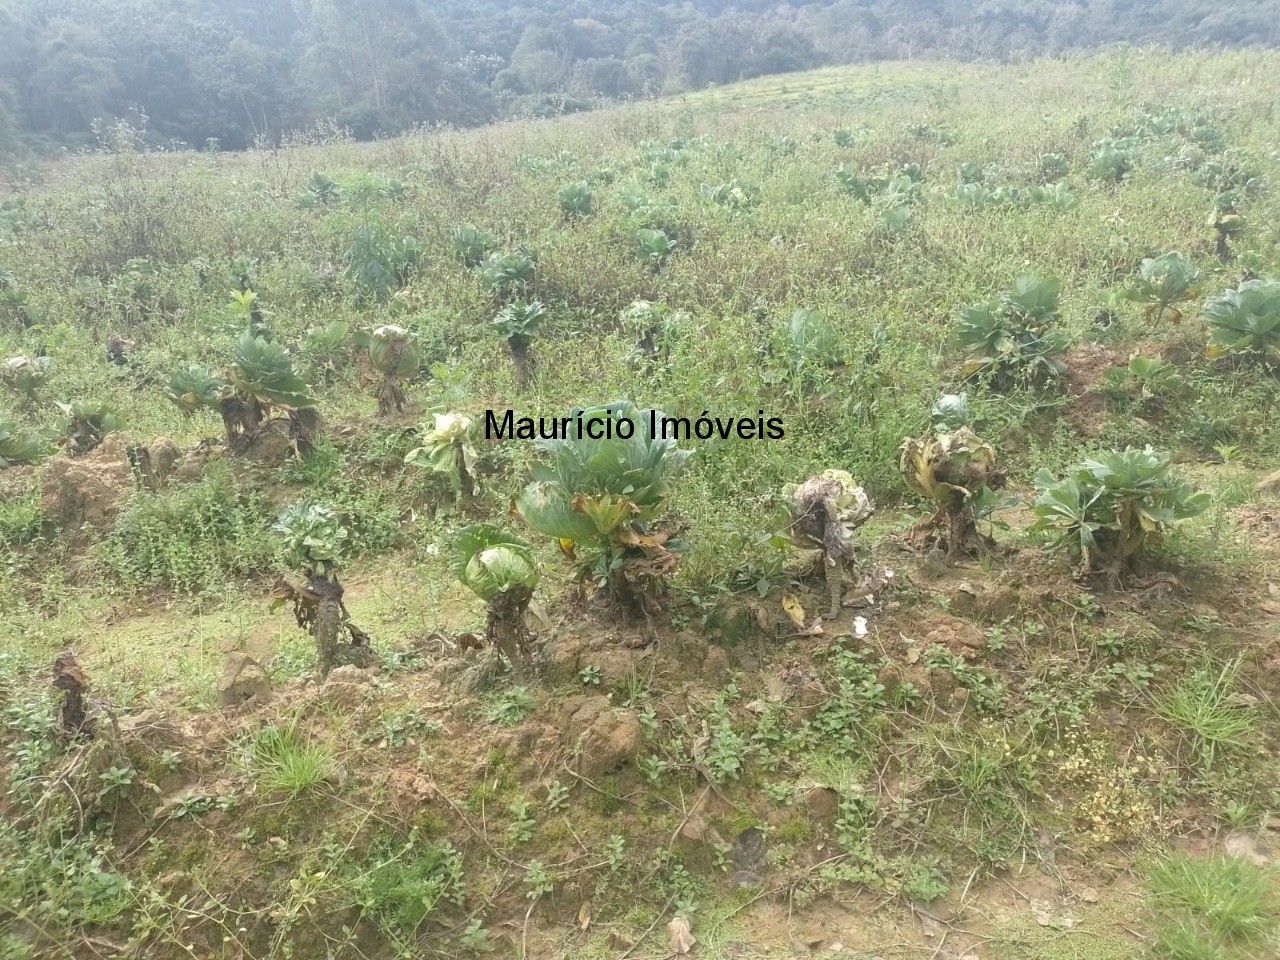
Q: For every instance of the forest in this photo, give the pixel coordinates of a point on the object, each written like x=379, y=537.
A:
x=226, y=74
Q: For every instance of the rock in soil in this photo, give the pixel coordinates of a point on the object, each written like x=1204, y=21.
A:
x=243, y=680
x=604, y=736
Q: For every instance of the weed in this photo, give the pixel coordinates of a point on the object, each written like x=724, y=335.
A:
x=288, y=763
x=557, y=796
x=510, y=707
x=520, y=829
x=1218, y=906
x=538, y=879
x=1203, y=705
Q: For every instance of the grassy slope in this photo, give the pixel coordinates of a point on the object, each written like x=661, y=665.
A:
x=931, y=799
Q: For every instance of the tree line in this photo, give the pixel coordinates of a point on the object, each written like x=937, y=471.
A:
x=229, y=73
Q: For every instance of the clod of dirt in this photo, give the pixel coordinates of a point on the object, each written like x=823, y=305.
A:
x=18, y=480
x=1268, y=486
x=715, y=665
x=151, y=731
x=735, y=621
x=822, y=802
x=346, y=687
x=680, y=938
x=985, y=602
x=696, y=830
x=684, y=654
x=890, y=677
x=92, y=489
x=243, y=681
x=1244, y=847
x=958, y=636
x=271, y=446
x=747, y=849
x=191, y=465
x=165, y=457
x=605, y=737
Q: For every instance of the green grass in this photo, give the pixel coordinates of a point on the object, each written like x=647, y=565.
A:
x=1203, y=706
x=1216, y=908
x=289, y=764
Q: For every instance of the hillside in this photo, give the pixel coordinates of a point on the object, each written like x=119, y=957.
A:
x=230, y=74
x=1041, y=726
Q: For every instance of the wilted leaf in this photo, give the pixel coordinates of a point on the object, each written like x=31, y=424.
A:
x=792, y=608
x=584, y=915
x=680, y=934
x=1041, y=914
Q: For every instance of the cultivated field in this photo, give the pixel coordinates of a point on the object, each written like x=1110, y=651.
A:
x=955, y=668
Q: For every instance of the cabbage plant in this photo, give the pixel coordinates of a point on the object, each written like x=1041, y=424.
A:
x=448, y=449
x=394, y=354
x=1107, y=512
x=1053, y=166
x=602, y=500
x=194, y=385
x=575, y=200
x=1111, y=160
x=1164, y=281
x=854, y=183
x=506, y=275
x=20, y=446
x=313, y=541
x=655, y=327
x=825, y=511
x=652, y=247
x=736, y=195
x=1245, y=320
x=88, y=422
x=1055, y=195
x=518, y=323
x=1012, y=340
x=262, y=381
x=499, y=568
x=1227, y=222
x=1155, y=376
x=950, y=412
x=957, y=470
x=812, y=340
x=472, y=246
x=26, y=375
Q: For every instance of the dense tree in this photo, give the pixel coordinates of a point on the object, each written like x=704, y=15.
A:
x=233, y=71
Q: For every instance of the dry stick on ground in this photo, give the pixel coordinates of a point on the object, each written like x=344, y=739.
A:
x=524, y=933
x=577, y=776
x=662, y=912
